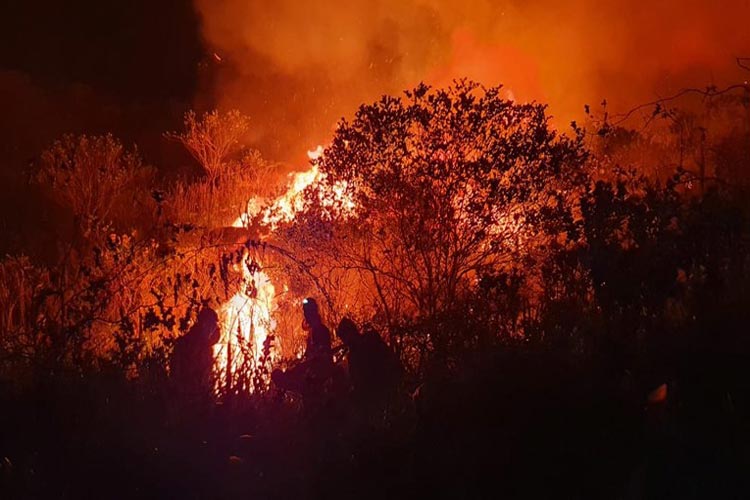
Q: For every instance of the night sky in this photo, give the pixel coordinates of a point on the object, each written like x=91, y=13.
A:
x=86, y=65
x=135, y=50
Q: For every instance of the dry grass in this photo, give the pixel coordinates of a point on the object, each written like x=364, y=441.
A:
x=219, y=202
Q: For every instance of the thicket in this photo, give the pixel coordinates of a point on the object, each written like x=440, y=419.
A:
x=514, y=267
x=477, y=224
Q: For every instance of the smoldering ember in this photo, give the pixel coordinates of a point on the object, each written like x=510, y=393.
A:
x=375, y=249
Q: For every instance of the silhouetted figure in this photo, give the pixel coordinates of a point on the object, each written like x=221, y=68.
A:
x=312, y=376
x=374, y=371
x=193, y=359
x=319, y=336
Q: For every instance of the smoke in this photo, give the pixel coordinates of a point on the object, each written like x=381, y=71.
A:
x=297, y=67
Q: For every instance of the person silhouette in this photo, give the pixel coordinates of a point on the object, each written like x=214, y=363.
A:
x=310, y=376
x=319, y=336
x=192, y=358
x=374, y=371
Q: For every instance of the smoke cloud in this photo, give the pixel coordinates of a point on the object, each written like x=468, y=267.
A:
x=297, y=67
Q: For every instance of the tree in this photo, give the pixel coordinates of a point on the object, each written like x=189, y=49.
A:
x=214, y=139
x=93, y=176
x=447, y=186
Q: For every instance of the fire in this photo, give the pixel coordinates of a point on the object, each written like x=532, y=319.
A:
x=283, y=208
x=247, y=318
x=246, y=323
x=316, y=153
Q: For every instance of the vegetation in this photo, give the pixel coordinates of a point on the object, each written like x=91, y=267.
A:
x=215, y=140
x=538, y=286
x=97, y=179
x=450, y=188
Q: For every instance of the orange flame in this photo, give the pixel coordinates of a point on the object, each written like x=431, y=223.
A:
x=247, y=320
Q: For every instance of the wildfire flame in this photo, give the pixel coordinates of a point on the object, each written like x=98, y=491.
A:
x=247, y=318
x=283, y=208
x=246, y=322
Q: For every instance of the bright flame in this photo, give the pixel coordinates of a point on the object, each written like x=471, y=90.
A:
x=283, y=208
x=247, y=318
x=316, y=153
x=246, y=321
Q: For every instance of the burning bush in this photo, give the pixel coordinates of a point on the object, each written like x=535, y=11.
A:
x=448, y=186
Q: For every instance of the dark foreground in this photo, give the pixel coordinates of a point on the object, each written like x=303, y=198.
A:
x=519, y=424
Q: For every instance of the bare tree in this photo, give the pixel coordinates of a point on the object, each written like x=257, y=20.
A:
x=214, y=139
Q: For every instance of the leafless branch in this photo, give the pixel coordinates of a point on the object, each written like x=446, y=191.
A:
x=708, y=92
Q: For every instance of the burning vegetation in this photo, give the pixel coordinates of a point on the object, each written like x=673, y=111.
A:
x=454, y=284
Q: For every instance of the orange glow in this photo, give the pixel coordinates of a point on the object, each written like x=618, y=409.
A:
x=329, y=57
x=285, y=206
x=247, y=319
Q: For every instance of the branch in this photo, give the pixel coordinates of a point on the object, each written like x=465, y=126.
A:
x=708, y=92
x=303, y=267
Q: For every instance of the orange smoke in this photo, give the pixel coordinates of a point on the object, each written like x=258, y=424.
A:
x=296, y=68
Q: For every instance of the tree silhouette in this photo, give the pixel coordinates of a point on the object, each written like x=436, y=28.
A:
x=92, y=175
x=448, y=186
x=214, y=139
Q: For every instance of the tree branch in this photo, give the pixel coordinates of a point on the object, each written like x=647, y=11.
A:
x=708, y=92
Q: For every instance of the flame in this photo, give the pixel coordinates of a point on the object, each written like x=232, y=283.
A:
x=248, y=315
x=246, y=323
x=247, y=318
x=283, y=208
x=316, y=153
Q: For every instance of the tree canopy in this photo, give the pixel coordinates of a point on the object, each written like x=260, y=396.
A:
x=421, y=196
